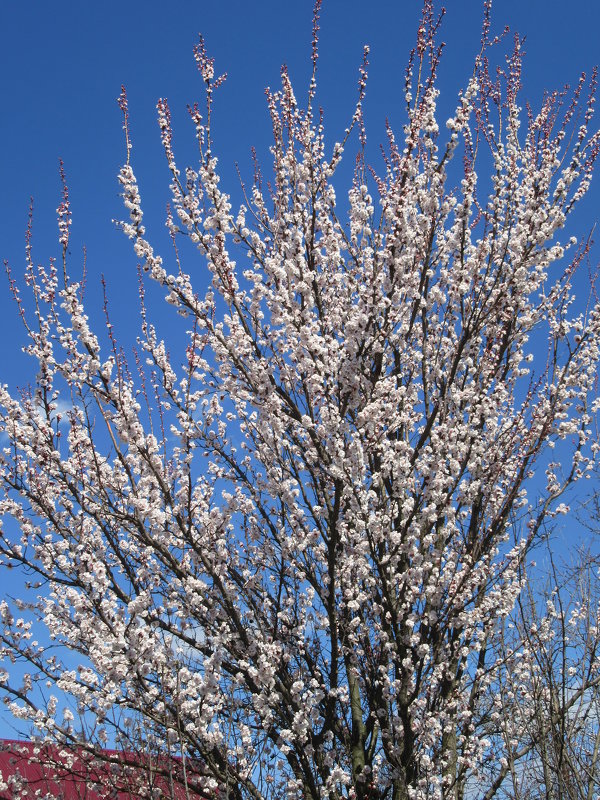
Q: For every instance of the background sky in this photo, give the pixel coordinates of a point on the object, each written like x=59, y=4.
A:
x=62, y=66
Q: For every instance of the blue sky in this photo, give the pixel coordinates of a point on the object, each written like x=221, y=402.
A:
x=62, y=66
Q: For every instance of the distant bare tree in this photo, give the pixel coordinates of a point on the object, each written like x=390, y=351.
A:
x=544, y=708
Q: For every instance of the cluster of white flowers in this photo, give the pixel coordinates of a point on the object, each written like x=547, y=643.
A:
x=288, y=552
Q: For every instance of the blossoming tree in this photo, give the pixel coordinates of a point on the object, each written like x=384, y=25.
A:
x=287, y=553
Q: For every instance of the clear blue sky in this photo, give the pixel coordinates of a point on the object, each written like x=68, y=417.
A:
x=62, y=65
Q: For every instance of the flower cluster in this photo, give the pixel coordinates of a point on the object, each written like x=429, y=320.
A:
x=290, y=554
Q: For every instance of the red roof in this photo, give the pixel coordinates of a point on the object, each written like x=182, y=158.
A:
x=32, y=770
